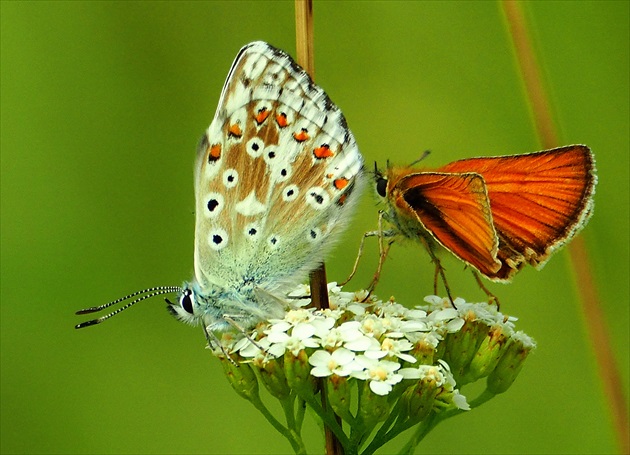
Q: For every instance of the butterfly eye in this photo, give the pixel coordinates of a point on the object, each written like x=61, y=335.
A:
x=381, y=186
x=186, y=301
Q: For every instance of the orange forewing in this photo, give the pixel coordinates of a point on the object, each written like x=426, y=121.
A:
x=529, y=205
x=455, y=209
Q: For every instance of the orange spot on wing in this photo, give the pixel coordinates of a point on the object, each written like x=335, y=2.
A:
x=214, y=152
x=323, y=152
x=281, y=120
x=235, y=130
x=262, y=115
x=301, y=135
x=340, y=183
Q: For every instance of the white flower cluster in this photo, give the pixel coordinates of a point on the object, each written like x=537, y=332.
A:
x=369, y=341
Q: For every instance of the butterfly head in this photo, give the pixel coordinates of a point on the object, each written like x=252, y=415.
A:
x=185, y=308
x=380, y=181
x=207, y=306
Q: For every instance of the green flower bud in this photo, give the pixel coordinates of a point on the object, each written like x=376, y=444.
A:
x=424, y=352
x=510, y=364
x=418, y=400
x=463, y=345
x=339, y=394
x=298, y=373
x=273, y=377
x=488, y=354
x=241, y=378
x=373, y=408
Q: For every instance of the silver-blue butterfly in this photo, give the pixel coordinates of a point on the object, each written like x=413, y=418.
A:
x=277, y=175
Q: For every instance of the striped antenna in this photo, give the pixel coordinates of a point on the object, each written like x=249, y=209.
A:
x=150, y=292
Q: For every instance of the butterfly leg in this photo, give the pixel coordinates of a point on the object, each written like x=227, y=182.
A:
x=439, y=271
x=382, y=250
x=359, y=254
x=492, y=299
x=230, y=320
x=211, y=338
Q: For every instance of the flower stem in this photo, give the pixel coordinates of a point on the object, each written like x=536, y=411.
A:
x=290, y=434
x=423, y=429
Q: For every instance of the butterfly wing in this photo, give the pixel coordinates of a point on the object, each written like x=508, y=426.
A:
x=539, y=200
x=454, y=209
x=276, y=175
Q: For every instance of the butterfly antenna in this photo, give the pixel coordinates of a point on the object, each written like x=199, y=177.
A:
x=151, y=292
x=422, y=157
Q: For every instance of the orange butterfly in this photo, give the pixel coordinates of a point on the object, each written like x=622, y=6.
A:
x=494, y=213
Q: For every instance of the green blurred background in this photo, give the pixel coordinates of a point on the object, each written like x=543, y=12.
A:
x=102, y=107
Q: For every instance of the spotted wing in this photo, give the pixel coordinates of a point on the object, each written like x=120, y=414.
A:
x=277, y=174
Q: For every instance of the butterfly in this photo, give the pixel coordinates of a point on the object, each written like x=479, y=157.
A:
x=496, y=214
x=277, y=176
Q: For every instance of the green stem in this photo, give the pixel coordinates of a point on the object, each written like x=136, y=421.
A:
x=381, y=436
x=287, y=408
x=300, y=412
x=431, y=422
x=423, y=429
x=481, y=399
x=290, y=434
x=329, y=420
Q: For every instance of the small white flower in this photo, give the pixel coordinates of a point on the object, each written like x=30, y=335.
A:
x=352, y=337
x=301, y=290
x=278, y=326
x=331, y=339
x=525, y=340
x=459, y=400
x=361, y=295
x=329, y=313
x=390, y=309
x=372, y=325
x=381, y=374
x=296, y=316
x=373, y=349
x=301, y=337
x=431, y=372
x=259, y=351
x=429, y=338
x=443, y=315
x=436, y=300
x=340, y=362
x=416, y=325
x=356, y=309
x=361, y=344
x=416, y=314
x=333, y=288
x=323, y=324
x=454, y=325
x=397, y=348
